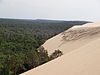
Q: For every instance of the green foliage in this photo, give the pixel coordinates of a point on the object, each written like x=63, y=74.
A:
x=19, y=40
x=43, y=54
x=55, y=54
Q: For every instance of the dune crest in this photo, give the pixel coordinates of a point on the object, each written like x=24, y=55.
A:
x=73, y=38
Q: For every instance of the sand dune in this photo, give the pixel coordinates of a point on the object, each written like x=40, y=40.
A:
x=81, y=49
x=83, y=61
x=73, y=38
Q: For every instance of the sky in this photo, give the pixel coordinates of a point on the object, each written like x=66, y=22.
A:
x=87, y=10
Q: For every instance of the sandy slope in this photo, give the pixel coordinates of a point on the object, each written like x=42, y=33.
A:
x=83, y=61
x=73, y=38
x=81, y=47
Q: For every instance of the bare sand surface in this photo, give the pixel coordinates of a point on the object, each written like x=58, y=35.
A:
x=81, y=48
x=83, y=61
x=73, y=38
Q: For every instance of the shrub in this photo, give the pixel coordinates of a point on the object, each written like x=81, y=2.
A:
x=55, y=54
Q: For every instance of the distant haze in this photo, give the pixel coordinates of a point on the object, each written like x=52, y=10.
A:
x=51, y=9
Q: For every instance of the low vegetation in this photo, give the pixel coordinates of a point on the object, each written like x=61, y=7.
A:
x=55, y=54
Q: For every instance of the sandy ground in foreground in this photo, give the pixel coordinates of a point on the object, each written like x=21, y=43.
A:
x=81, y=48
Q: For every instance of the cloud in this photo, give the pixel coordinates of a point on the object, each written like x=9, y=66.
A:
x=53, y=9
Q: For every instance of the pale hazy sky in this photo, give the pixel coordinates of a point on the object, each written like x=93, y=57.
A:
x=51, y=9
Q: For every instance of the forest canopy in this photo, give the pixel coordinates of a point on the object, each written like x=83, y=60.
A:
x=20, y=42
